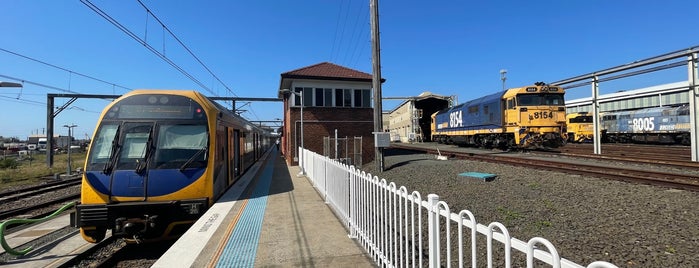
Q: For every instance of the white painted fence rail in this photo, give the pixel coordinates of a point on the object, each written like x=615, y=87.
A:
x=400, y=229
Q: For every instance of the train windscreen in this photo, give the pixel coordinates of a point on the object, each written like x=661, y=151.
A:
x=540, y=99
x=151, y=131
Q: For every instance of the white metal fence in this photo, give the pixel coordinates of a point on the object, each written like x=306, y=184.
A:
x=399, y=228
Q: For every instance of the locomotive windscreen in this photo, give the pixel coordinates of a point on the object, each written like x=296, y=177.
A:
x=539, y=99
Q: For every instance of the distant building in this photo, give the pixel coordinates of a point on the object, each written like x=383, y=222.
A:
x=334, y=98
x=410, y=121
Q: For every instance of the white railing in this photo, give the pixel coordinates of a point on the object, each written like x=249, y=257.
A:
x=400, y=229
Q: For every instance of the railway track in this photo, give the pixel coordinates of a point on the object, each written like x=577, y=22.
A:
x=38, y=207
x=677, y=156
x=40, y=200
x=572, y=166
x=18, y=194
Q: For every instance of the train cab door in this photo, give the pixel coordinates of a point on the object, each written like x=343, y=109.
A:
x=236, y=153
x=511, y=114
x=129, y=179
x=230, y=155
x=221, y=168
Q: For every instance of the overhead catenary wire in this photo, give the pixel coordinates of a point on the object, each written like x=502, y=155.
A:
x=24, y=81
x=342, y=31
x=144, y=43
x=350, y=35
x=358, y=41
x=186, y=48
x=61, y=68
x=354, y=41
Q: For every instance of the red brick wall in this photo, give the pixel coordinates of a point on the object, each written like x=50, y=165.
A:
x=319, y=122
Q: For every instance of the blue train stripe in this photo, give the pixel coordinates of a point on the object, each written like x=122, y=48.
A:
x=241, y=247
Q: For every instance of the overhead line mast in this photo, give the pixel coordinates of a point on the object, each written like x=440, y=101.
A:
x=376, y=81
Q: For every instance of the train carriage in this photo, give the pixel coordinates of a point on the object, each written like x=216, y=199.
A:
x=527, y=117
x=669, y=125
x=158, y=160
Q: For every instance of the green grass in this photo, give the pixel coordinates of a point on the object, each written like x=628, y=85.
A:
x=508, y=214
x=29, y=171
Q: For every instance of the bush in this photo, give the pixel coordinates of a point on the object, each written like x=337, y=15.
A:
x=8, y=163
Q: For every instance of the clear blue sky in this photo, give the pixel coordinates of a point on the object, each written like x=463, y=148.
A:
x=446, y=47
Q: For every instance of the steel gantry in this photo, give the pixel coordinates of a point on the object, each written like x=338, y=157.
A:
x=685, y=57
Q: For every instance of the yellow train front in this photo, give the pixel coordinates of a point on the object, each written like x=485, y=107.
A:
x=158, y=160
x=531, y=117
x=579, y=127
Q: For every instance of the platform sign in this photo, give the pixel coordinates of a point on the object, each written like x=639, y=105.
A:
x=382, y=139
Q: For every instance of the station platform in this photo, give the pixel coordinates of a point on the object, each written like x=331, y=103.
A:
x=272, y=217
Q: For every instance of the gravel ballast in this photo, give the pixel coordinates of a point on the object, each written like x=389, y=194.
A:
x=587, y=219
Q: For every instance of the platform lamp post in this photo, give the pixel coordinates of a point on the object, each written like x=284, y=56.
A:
x=70, y=142
x=300, y=157
x=503, y=78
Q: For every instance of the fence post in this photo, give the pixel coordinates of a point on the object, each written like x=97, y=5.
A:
x=353, y=200
x=433, y=230
x=326, y=174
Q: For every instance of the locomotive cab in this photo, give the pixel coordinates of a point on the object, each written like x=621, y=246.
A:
x=536, y=116
x=579, y=127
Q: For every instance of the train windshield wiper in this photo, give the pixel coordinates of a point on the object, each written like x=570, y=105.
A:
x=113, y=155
x=146, y=156
x=191, y=159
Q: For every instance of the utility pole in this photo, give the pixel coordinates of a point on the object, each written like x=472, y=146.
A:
x=376, y=79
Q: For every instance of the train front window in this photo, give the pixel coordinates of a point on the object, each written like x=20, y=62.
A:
x=540, y=99
x=134, y=144
x=180, y=145
x=102, y=146
x=581, y=119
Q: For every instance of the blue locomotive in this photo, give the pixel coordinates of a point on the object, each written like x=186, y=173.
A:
x=669, y=125
x=530, y=117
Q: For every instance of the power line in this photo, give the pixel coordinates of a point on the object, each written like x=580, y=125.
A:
x=61, y=68
x=20, y=100
x=344, y=25
x=186, y=48
x=38, y=84
x=144, y=43
x=351, y=34
x=359, y=39
x=37, y=103
x=337, y=25
x=43, y=104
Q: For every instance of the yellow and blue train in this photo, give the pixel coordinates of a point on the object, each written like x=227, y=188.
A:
x=531, y=117
x=158, y=160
